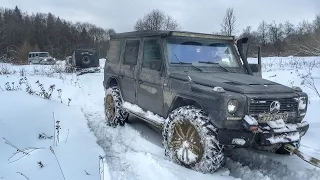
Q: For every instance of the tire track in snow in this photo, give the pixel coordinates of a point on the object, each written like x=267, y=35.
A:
x=130, y=156
x=127, y=154
x=239, y=170
x=274, y=166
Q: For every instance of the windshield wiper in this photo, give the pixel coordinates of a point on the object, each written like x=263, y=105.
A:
x=210, y=62
x=186, y=63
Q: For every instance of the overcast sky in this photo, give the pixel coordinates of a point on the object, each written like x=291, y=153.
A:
x=200, y=16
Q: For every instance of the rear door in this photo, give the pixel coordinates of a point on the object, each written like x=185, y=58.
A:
x=150, y=80
x=128, y=69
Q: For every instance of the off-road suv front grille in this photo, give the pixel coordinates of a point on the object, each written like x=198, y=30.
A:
x=257, y=106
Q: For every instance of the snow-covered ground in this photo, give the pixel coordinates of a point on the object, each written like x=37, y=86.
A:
x=130, y=152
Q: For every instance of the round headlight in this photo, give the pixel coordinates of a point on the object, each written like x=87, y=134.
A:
x=302, y=103
x=233, y=106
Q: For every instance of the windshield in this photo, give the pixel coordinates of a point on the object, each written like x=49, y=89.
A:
x=43, y=54
x=201, y=53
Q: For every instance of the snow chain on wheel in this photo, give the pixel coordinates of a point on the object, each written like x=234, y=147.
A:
x=189, y=139
x=114, y=113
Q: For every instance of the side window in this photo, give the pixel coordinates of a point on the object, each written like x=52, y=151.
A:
x=30, y=55
x=113, y=53
x=131, y=52
x=33, y=55
x=152, y=54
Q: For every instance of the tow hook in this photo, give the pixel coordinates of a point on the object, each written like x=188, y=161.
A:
x=303, y=156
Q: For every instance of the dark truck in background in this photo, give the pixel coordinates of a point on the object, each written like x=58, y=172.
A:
x=200, y=91
x=84, y=61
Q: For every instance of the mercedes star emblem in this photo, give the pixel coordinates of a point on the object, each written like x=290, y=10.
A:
x=275, y=107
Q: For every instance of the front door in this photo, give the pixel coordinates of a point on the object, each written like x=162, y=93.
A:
x=150, y=80
x=127, y=73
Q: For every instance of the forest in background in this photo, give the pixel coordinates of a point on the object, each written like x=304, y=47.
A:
x=21, y=33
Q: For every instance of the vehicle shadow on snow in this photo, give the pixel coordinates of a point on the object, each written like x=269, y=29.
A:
x=146, y=130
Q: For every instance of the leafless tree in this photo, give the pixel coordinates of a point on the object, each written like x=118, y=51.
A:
x=275, y=32
x=110, y=32
x=156, y=20
x=262, y=30
x=228, y=25
x=288, y=29
x=305, y=27
x=311, y=46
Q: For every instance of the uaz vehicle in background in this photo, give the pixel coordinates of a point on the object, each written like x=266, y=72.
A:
x=200, y=91
x=40, y=58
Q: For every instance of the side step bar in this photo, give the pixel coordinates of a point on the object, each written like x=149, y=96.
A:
x=147, y=116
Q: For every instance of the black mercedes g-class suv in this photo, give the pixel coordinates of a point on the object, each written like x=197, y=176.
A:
x=202, y=93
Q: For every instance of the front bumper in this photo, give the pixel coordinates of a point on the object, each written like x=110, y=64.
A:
x=265, y=135
x=48, y=62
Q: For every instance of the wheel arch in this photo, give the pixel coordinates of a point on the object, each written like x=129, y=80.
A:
x=112, y=81
x=179, y=101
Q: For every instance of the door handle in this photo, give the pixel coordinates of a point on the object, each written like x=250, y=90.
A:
x=140, y=81
x=121, y=76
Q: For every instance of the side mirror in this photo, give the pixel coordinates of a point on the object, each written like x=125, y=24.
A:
x=256, y=67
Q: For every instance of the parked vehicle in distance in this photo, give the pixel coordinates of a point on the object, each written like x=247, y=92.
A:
x=84, y=58
x=40, y=58
x=84, y=61
x=200, y=91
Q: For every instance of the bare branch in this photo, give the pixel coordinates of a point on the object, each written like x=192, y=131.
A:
x=156, y=20
x=229, y=22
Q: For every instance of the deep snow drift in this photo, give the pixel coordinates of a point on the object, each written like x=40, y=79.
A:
x=133, y=151
x=28, y=123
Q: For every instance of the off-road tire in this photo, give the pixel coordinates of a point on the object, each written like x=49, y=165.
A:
x=120, y=116
x=210, y=152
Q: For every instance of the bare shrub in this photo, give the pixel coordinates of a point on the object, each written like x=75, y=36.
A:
x=5, y=69
x=52, y=151
x=22, y=72
x=308, y=81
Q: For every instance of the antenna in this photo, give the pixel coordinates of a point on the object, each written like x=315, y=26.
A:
x=186, y=71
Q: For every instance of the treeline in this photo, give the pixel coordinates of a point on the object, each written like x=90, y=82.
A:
x=275, y=39
x=286, y=39
x=21, y=33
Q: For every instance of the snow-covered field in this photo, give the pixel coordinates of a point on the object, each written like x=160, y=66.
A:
x=130, y=152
